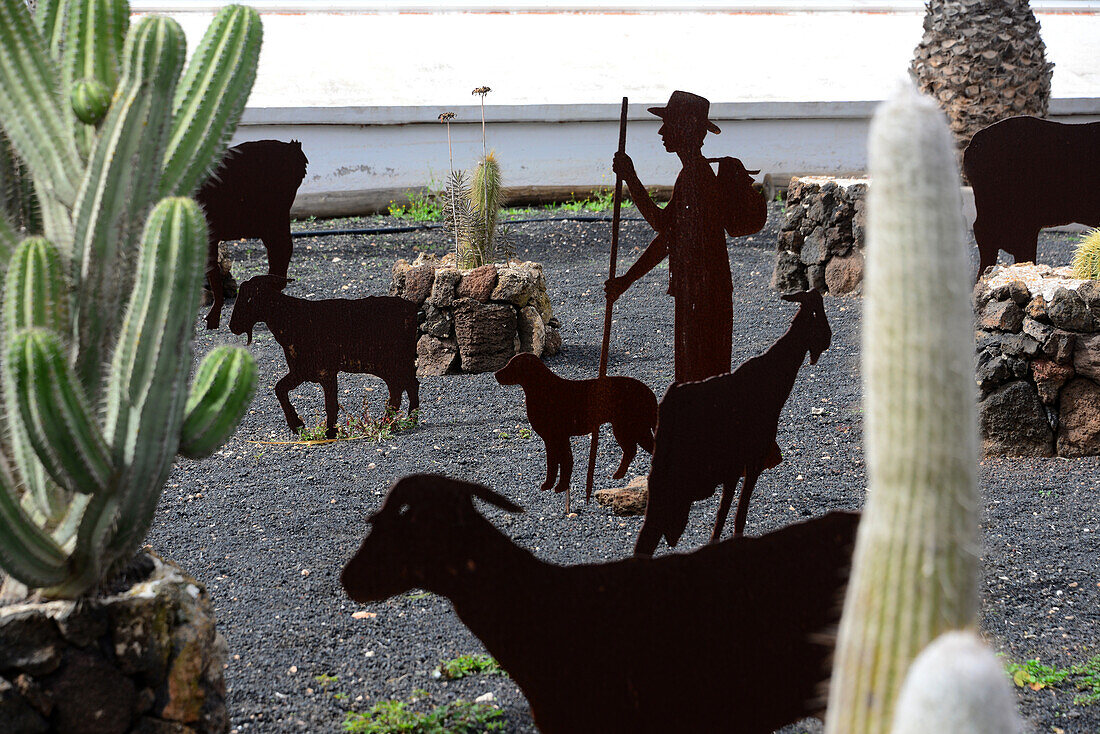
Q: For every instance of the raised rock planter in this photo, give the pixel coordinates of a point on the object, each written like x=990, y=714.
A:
x=1038, y=362
x=820, y=244
x=476, y=320
x=145, y=660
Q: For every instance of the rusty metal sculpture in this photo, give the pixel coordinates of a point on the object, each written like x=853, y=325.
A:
x=731, y=637
x=691, y=233
x=250, y=195
x=375, y=335
x=723, y=428
x=559, y=408
x=1027, y=174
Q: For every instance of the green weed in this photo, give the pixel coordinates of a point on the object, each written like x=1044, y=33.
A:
x=363, y=426
x=1084, y=677
x=525, y=433
x=598, y=200
x=422, y=206
x=455, y=717
x=465, y=665
x=326, y=680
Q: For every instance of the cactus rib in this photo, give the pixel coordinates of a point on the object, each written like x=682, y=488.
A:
x=211, y=97
x=26, y=552
x=914, y=573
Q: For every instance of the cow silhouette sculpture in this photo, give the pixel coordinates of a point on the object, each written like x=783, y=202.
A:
x=559, y=408
x=250, y=195
x=723, y=428
x=1027, y=174
x=320, y=339
x=734, y=637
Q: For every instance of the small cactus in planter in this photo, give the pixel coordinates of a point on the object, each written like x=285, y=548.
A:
x=915, y=569
x=114, y=281
x=1086, y=258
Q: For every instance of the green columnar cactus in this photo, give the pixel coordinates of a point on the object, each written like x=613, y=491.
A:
x=914, y=573
x=98, y=315
x=956, y=684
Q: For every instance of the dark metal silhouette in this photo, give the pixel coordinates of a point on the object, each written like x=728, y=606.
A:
x=375, y=335
x=723, y=428
x=691, y=232
x=559, y=408
x=734, y=637
x=617, y=202
x=1027, y=174
x=250, y=195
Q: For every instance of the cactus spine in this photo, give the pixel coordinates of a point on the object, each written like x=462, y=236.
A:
x=914, y=573
x=98, y=316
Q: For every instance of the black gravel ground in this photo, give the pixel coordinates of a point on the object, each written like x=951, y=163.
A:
x=268, y=527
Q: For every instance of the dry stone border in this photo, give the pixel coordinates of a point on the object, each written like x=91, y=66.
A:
x=1038, y=362
x=476, y=320
x=820, y=243
x=145, y=659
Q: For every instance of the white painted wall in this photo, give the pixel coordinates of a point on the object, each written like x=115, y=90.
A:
x=792, y=84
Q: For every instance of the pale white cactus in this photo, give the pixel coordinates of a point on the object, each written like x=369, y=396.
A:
x=915, y=567
x=956, y=686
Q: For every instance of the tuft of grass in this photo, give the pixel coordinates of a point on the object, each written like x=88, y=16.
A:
x=325, y=680
x=1084, y=677
x=364, y=427
x=465, y=665
x=598, y=200
x=454, y=717
x=1086, y=258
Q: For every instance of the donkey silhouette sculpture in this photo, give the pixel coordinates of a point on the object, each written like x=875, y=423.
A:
x=559, y=408
x=1027, y=174
x=733, y=637
x=723, y=428
x=250, y=195
x=320, y=339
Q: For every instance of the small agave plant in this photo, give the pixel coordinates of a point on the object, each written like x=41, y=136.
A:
x=472, y=205
x=99, y=312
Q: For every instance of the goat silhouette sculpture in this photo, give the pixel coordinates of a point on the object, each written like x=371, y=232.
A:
x=374, y=335
x=732, y=637
x=559, y=408
x=250, y=195
x=1027, y=174
x=723, y=428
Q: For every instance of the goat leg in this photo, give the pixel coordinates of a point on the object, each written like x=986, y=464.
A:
x=566, y=460
x=728, y=488
x=627, y=444
x=332, y=405
x=214, y=278
x=743, y=502
x=282, y=392
x=552, y=463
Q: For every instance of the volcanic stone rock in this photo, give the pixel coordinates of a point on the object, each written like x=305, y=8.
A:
x=1019, y=345
x=514, y=285
x=485, y=334
x=994, y=369
x=80, y=623
x=1086, y=355
x=844, y=273
x=91, y=695
x=813, y=250
x=478, y=283
x=789, y=275
x=1060, y=345
x=1079, y=428
x=553, y=342
x=791, y=241
x=1037, y=330
x=1014, y=290
x=815, y=277
x=418, y=283
x=1013, y=422
x=1049, y=377
x=29, y=641
x=628, y=500
x=142, y=635
x=397, y=277
x=443, y=287
x=1037, y=309
x=17, y=714
x=1067, y=310
x=434, y=356
x=1001, y=315
x=532, y=331
x=438, y=322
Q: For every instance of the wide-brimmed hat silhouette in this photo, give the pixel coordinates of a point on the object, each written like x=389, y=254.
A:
x=687, y=106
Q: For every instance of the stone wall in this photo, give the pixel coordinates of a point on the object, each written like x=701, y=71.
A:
x=144, y=659
x=1038, y=362
x=476, y=320
x=820, y=244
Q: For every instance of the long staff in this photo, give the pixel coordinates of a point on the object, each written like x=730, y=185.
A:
x=607, y=309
